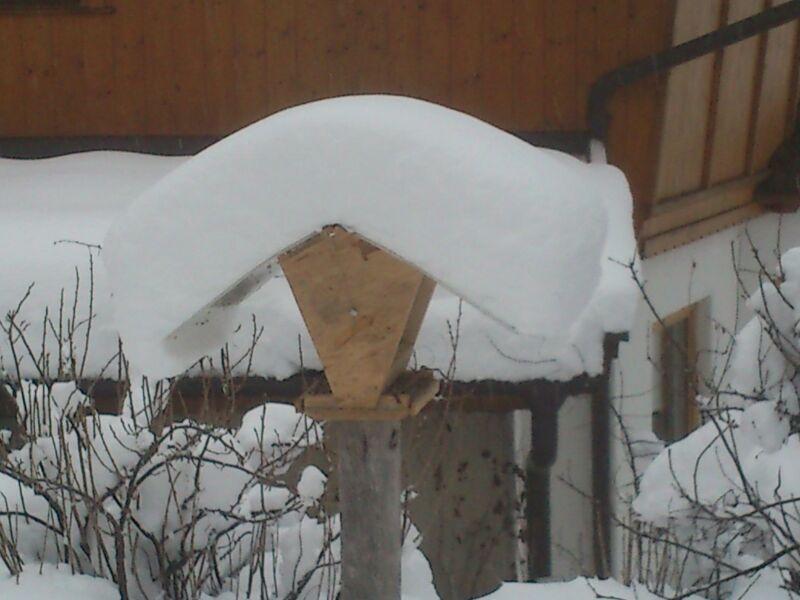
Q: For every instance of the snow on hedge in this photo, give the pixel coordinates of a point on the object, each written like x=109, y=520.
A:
x=516, y=231
x=59, y=582
x=731, y=487
x=51, y=208
x=76, y=197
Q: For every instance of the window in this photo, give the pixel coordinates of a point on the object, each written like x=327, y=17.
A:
x=676, y=413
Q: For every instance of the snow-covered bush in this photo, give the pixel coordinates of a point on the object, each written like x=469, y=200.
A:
x=183, y=510
x=724, y=502
x=159, y=508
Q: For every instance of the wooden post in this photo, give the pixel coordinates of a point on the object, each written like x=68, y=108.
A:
x=369, y=494
x=363, y=308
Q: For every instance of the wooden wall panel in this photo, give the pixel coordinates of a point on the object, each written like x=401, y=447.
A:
x=776, y=94
x=34, y=49
x=737, y=80
x=312, y=40
x=69, y=76
x=497, y=76
x=637, y=109
x=689, y=92
x=8, y=77
x=466, y=65
x=433, y=51
x=281, y=64
x=207, y=67
x=754, y=88
x=403, y=40
x=188, y=58
x=372, y=42
x=129, y=93
x=98, y=63
x=562, y=106
x=529, y=63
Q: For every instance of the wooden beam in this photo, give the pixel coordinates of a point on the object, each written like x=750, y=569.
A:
x=680, y=211
x=695, y=231
x=406, y=400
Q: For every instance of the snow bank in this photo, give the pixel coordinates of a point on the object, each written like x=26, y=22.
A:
x=730, y=488
x=51, y=208
x=45, y=581
x=578, y=589
x=38, y=581
x=76, y=197
x=516, y=231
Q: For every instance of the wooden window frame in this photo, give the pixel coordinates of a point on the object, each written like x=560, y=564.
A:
x=692, y=418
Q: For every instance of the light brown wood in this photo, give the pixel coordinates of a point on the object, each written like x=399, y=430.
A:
x=689, y=92
x=390, y=407
x=776, y=93
x=728, y=151
x=680, y=211
x=695, y=231
x=363, y=308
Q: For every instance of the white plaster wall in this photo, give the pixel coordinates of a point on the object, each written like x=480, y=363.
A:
x=701, y=271
x=571, y=515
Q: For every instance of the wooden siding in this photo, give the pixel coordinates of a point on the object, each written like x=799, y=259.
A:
x=208, y=67
x=724, y=116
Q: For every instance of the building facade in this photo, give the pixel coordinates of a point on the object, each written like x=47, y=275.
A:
x=696, y=142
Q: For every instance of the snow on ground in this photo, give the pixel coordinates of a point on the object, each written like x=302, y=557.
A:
x=76, y=198
x=730, y=488
x=577, y=589
x=41, y=581
x=55, y=582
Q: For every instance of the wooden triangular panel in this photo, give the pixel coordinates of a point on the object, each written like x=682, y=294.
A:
x=362, y=307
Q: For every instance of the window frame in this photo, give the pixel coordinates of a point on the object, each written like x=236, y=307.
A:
x=670, y=430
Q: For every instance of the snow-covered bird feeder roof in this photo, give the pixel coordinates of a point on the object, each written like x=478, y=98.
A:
x=515, y=231
x=76, y=197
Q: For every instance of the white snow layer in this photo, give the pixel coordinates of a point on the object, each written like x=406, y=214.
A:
x=514, y=228
x=515, y=231
x=38, y=582
x=581, y=588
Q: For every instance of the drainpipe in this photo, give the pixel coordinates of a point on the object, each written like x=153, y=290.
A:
x=601, y=459
x=597, y=111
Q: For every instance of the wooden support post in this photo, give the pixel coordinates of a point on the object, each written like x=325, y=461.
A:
x=369, y=494
x=363, y=308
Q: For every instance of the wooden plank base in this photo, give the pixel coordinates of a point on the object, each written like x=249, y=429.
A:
x=411, y=393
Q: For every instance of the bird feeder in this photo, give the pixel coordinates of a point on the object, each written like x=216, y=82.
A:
x=363, y=308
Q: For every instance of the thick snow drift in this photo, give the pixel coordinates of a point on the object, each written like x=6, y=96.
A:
x=76, y=197
x=516, y=231
x=50, y=209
